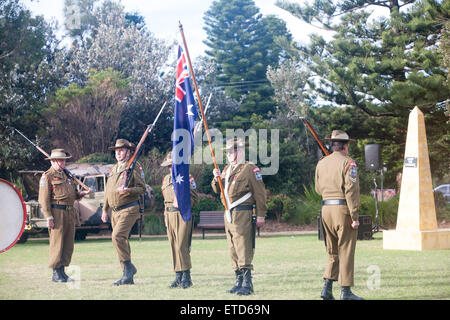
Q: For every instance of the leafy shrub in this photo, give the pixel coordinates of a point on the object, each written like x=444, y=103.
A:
x=275, y=207
x=298, y=210
x=387, y=210
x=158, y=207
x=307, y=207
x=204, y=181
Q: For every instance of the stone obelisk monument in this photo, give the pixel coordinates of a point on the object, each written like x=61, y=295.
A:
x=416, y=219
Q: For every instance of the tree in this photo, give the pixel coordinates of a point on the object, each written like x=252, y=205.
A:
x=221, y=107
x=380, y=69
x=84, y=120
x=241, y=42
x=296, y=162
x=125, y=45
x=28, y=74
x=289, y=81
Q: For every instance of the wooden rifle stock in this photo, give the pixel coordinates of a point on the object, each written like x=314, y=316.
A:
x=316, y=136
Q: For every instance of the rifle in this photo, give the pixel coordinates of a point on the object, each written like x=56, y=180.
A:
x=128, y=173
x=67, y=172
x=325, y=153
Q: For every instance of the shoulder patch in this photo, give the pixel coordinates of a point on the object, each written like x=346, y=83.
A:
x=258, y=175
x=192, y=182
x=353, y=170
x=42, y=181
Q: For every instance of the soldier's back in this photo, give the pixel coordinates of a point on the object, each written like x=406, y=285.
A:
x=330, y=175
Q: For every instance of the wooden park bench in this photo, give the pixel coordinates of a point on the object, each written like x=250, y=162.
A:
x=213, y=220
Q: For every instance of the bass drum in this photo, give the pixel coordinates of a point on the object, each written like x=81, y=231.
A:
x=13, y=215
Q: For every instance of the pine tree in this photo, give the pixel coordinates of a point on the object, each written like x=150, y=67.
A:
x=380, y=69
x=241, y=42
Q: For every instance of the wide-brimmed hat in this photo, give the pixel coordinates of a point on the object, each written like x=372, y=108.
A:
x=123, y=143
x=339, y=135
x=235, y=143
x=58, y=154
x=167, y=160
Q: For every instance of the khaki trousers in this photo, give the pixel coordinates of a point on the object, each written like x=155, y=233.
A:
x=179, y=234
x=341, y=243
x=122, y=221
x=61, y=238
x=239, y=238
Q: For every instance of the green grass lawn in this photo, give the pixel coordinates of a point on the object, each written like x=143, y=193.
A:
x=286, y=267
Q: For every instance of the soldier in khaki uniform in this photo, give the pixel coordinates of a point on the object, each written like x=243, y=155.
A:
x=179, y=232
x=244, y=191
x=124, y=203
x=337, y=182
x=57, y=193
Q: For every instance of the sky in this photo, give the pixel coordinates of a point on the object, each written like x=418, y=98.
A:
x=162, y=16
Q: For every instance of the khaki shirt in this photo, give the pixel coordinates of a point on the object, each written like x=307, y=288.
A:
x=169, y=193
x=244, y=178
x=115, y=199
x=337, y=178
x=55, y=187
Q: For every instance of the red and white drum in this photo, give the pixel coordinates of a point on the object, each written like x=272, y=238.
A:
x=13, y=215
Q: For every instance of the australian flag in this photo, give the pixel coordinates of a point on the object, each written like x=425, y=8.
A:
x=183, y=138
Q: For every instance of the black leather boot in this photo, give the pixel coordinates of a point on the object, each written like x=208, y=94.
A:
x=247, y=285
x=57, y=276
x=186, y=281
x=238, y=284
x=64, y=275
x=177, y=281
x=327, y=292
x=128, y=272
x=347, y=294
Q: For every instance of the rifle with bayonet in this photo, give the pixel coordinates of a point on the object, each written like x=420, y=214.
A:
x=128, y=172
x=66, y=171
x=325, y=153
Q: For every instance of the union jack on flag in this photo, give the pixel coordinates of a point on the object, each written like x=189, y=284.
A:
x=182, y=74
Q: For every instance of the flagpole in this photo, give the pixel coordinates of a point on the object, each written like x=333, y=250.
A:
x=203, y=114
